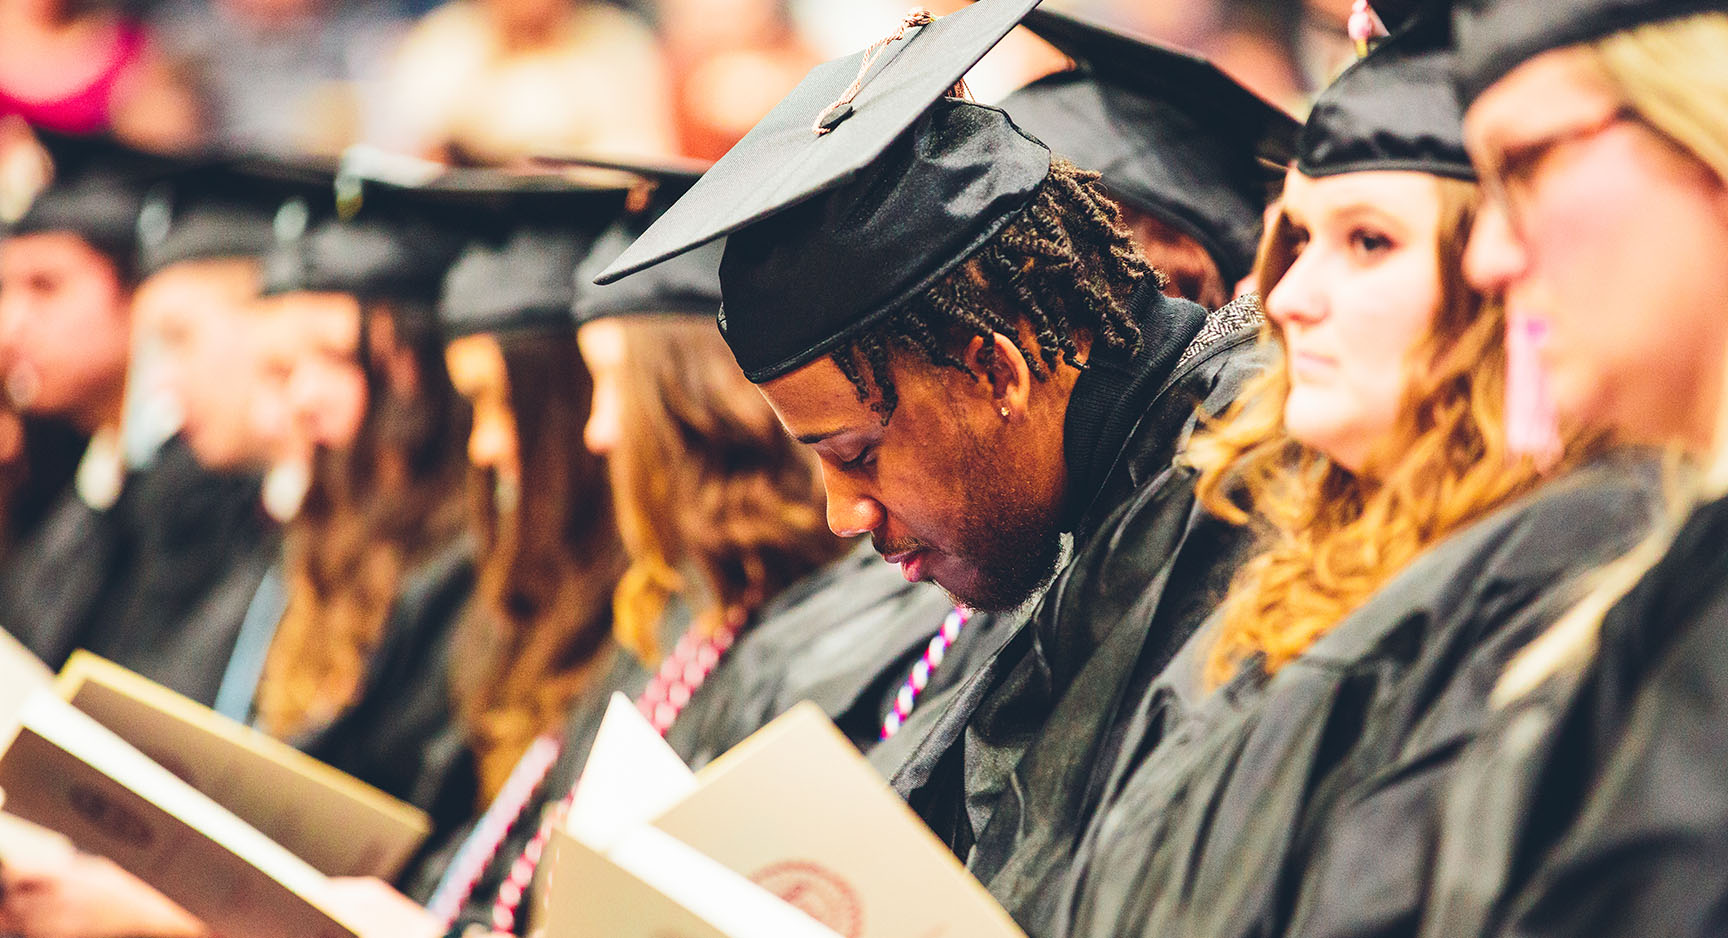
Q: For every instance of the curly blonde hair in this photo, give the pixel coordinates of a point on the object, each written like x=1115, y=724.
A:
x=1332, y=537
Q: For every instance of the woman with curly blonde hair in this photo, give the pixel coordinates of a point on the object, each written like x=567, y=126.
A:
x=1405, y=546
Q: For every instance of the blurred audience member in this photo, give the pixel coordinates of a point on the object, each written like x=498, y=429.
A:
x=1257, y=47
x=280, y=76
x=87, y=68
x=1322, y=45
x=731, y=60
x=492, y=81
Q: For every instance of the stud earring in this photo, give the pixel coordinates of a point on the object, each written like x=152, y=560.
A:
x=1004, y=413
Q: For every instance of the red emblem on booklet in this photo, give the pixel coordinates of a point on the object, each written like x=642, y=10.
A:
x=816, y=891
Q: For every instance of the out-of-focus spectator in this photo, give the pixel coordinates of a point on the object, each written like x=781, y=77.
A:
x=86, y=68
x=281, y=76
x=1257, y=46
x=493, y=81
x=1191, y=24
x=731, y=61
x=1322, y=42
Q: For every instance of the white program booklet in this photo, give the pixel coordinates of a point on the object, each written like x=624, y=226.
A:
x=789, y=834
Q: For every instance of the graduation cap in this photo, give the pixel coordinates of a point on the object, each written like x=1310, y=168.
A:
x=685, y=285
x=222, y=207
x=374, y=238
x=521, y=276
x=1172, y=135
x=96, y=191
x=1496, y=36
x=1396, y=109
x=861, y=188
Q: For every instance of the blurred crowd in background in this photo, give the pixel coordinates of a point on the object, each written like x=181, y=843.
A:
x=495, y=81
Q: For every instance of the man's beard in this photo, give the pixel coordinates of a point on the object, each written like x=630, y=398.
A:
x=1012, y=542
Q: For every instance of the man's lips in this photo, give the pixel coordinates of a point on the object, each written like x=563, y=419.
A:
x=913, y=563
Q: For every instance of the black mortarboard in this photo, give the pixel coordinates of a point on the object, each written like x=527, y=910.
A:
x=1396, y=109
x=827, y=231
x=1172, y=135
x=389, y=240
x=1496, y=36
x=520, y=277
x=222, y=207
x=96, y=192
x=685, y=285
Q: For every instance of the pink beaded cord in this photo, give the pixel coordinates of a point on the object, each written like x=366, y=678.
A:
x=482, y=845
x=670, y=690
x=919, y=679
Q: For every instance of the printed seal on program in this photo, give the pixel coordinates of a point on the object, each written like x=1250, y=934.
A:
x=816, y=891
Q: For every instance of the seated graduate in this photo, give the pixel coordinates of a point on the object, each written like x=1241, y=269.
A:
x=844, y=636
x=1408, y=549
x=1596, y=805
x=734, y=591
x=151, y=564
x=1186, y=169
x=537, y=662
x=1182, y=149
x=960, y=327
x=378, y=564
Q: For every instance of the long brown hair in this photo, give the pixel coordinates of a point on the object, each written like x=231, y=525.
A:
x=373, y=511
x=548, y=565
x=1334, y=537
x=707, y=483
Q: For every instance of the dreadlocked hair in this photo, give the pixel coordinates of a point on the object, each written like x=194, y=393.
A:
x=1061, y=270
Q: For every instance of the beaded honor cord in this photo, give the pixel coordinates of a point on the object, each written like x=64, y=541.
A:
x=667, y=694
x=919, y=679
x=681, y=674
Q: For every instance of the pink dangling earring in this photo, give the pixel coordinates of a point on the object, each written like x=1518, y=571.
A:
x=1532, y=424
x=1360, y=26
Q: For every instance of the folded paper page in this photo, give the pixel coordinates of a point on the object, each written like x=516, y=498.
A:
x=338, y=824
x=68, y=773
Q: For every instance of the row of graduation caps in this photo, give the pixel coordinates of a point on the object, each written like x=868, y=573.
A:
x=1173, y=136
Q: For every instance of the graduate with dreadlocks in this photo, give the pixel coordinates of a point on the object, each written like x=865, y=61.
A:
x=961, y=328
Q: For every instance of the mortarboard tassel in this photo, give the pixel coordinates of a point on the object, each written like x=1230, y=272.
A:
x=1532, y=425
x=842, y=107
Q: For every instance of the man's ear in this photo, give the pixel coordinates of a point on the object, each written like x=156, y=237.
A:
x=1004, y=372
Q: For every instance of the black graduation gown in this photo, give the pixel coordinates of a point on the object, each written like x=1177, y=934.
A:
x=50, y=460
x=837, y=638
x=1598, y=803
x=159, y=582
x=1004, y=773
x=1213, y=818
x=399, y=734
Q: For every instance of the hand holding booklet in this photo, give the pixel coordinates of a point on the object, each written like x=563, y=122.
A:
x=236, y=827
x=789, y=835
